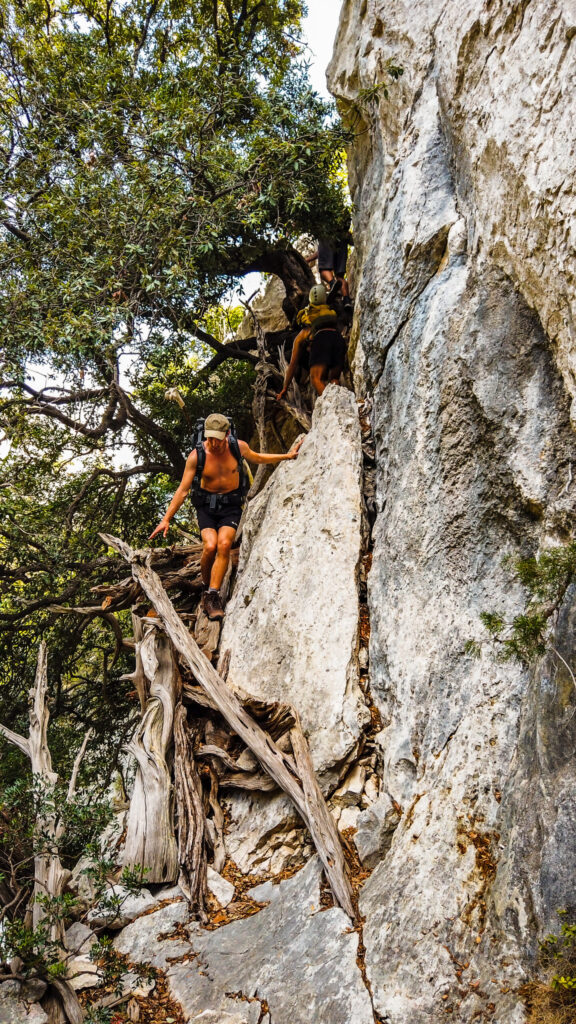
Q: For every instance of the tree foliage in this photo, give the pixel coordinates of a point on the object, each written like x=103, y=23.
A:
x=151, y=153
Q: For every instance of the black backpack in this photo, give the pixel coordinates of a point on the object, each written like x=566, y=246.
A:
x=245, y=481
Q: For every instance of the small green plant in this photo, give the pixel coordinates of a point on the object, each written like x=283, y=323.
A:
x=380, y=89
x=546, y=577
x=553, y=1001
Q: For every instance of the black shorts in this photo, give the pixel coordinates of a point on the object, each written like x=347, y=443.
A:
x=328, y=349
x=213, y=520
x=332, y=256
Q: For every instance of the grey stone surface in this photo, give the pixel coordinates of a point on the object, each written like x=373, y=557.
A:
x=220, y=888
x=297, y=956
x=144, y=941
x=130, y=907
x=304, y=538
x=294, y=955
x=464, y=209
x=374, y=830
x=14, y=1011
x=32, y=990
x=79, y=938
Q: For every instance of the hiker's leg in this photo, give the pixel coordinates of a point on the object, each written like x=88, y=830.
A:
x=318, y=375
x=226, y=536
x=210, y=542
x=334, y=374
x=344, y=285
x=325, y=261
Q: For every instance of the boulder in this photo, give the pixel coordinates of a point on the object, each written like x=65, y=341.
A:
x=14, y=1010
x=303, y=537
x=120, y=907
x=222, y=890
x=374, y=830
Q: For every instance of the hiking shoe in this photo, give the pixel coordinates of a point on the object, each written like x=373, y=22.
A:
x=334, y=288
x=212, y=605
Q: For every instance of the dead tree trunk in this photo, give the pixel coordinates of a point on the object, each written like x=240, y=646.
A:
x=191, y=818
x=281, y=767
x=50, y=877
x=150, y=842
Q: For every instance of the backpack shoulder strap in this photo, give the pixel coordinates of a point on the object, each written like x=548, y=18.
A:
x=201, y=458
x=242, y=468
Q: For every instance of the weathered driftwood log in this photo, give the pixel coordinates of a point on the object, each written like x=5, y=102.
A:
x=280, y=766
x=150, y=841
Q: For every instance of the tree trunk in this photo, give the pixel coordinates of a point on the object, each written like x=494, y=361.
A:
x=150, y=842
x=191, y=818
x=291, y=267
x=49, y=875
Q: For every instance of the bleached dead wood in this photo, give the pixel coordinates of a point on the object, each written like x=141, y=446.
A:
x=278, y=765
x=50, y=877
x=150, y=841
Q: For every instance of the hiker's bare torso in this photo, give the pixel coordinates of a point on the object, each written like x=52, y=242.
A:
x=221, y=473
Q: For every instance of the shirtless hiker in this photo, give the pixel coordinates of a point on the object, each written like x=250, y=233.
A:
x=219, y=504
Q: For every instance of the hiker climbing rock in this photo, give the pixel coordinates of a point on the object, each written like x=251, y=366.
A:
x=332, y=256
x=219, y=482
x=321, y=338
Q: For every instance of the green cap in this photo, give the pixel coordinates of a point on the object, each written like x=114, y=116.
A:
x=216, y=425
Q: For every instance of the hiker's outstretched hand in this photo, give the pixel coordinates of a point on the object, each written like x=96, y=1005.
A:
x=163, y=527
x=293, y=453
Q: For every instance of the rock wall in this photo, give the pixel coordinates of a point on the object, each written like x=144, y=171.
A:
x=465, y=259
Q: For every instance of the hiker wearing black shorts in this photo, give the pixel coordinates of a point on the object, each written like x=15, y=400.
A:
x=322, y=340
x=332, y=256
x=218, y=501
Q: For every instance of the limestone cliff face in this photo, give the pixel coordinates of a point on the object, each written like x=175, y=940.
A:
x=464, y=200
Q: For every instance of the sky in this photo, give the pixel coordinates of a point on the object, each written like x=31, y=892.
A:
x=320, y=29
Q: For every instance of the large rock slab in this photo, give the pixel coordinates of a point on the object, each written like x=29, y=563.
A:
x=464, y=217
x=291, y=626
x=294, y=955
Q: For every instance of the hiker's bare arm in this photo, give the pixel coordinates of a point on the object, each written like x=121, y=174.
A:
x=180, y=495
x=312, y=258
x=267, y=460
x=299, y=341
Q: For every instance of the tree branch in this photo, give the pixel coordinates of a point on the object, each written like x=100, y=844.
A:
x=16, y=739
x=77, y=763
x=18, y=232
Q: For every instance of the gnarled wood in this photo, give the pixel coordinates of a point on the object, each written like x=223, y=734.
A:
x=278, y=765
x=150, y=841
x=191, y=818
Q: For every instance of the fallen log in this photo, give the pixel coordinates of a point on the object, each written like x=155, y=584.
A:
x=280, y=766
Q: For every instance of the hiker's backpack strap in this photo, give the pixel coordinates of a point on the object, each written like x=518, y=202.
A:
x=244, y=478
x=198, y=446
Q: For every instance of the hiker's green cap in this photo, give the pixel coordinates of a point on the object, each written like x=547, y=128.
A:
x=216, y=425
